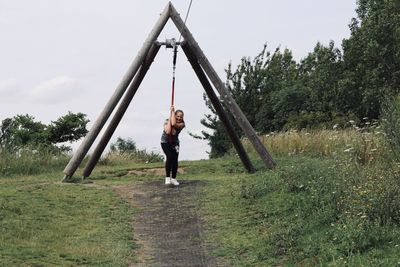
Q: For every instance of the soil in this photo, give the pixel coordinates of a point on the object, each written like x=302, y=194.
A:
x=159, y=172
x=167, y=227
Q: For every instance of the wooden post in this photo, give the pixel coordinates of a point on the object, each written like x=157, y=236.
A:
x=223, y=91
x=119, y=91
x=123, y=106
x=218, y=108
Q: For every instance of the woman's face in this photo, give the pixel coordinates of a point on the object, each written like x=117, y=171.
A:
x=179, y=117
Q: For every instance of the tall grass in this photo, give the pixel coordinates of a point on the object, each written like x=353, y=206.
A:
x=391, y=124
x=334, y=198
x=137, y=156
x=321, y=212
x=363, y=146
x=31, y=162
x=27, y=162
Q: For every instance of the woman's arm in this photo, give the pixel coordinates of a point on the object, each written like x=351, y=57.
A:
x=172, y=118
x=167, y=127
x=179, y=125
x=171, y=121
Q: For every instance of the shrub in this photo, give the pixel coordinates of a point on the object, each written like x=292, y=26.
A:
x=390, y=120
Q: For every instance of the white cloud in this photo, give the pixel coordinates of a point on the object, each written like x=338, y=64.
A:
x=9, y=90
x=57, y=90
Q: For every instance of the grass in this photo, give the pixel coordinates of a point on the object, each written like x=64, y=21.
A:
x=333, y=200
x=47, y=223
x=365, y=146
x=30, y=162
x=308, y=212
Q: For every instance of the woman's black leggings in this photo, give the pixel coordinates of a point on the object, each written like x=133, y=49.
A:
x=171, y=164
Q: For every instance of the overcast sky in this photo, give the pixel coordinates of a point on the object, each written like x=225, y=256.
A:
x=58, y=56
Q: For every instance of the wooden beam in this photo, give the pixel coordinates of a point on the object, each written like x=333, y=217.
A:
x=115, y=98
x=123, y=106
x=229, y=102
x=218, y=108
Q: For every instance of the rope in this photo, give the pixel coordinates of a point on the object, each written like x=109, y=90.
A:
x=175, y=55
x=187, y=14
x=173, y=87
x=173, y=74
x=174, y=67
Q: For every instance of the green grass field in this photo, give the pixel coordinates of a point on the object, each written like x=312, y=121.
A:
x=307, y=212
x=312, y=210
x=47, y=223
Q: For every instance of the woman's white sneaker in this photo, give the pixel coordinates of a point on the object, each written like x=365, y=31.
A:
x=174, y=181
x=167, y=180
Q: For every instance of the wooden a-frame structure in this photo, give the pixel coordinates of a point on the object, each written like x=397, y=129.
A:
x=133, y=78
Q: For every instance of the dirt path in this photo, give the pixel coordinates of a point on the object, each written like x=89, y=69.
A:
x=167, y=227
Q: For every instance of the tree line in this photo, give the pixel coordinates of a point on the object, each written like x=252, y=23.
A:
x=23, y=132
x=329, y=87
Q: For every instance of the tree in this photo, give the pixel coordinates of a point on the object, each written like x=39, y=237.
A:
x=68, y=128
x=327, y=87
x=22, y=131
x=127, y=148
x=286, y=103
x=319, y=73
x=372, y=57
x=218, y=140
x=254, y=82
x=123, y=146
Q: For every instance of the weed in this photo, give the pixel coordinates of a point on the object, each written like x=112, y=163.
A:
x=364, y=146
x=28, y=162
x=391, y=124
x=308, y=211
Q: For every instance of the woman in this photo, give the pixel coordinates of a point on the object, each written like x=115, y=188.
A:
x=170, y=144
